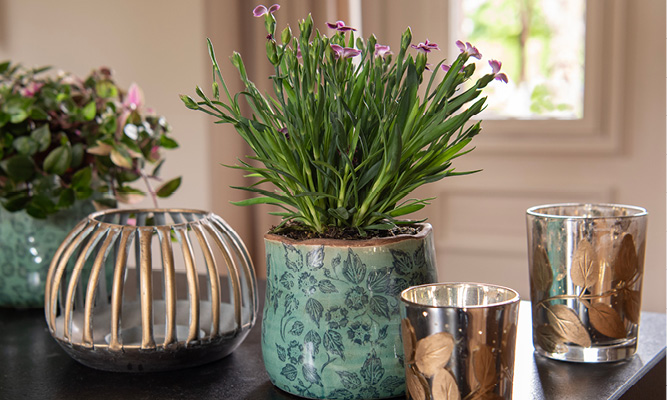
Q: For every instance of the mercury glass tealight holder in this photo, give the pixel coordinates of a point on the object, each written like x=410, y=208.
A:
x=150, y=290
x=586, y=268
x=459, y=340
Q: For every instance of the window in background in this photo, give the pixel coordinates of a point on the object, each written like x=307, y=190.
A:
x=541, y=45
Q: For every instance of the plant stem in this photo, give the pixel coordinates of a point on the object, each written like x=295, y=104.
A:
x=150, y=188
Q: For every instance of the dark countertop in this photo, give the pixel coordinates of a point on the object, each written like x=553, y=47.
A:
x=33, y=366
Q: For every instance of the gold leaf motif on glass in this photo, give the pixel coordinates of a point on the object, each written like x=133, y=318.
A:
x=433, y=352
x=409, y=340
x=444, y=386
x=631, y=304
x=548, y=339
x=484, y=365
x=416, y=383
x=606, y=320
x=585, y=270
x=430, y=356
x=508, y=351
x=541, y=274
x=567, y=325
x=627, y=264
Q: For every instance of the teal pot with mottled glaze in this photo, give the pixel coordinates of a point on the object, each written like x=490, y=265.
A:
x=331, y=323
x=27, y=246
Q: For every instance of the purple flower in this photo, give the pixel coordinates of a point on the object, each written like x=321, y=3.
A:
x=284, y=132
x=349, y=52
x=340, y=26
x=261, y=10
x=495, y=67
x=426, y=47
x=31, y=90
x=470, y=49
x=337, y=49
x=344, y=52
x=381, y=50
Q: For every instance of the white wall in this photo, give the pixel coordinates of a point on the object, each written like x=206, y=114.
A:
x=159, y=44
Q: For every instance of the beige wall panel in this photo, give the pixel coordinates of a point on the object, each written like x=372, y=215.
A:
x=487, y=220
x=505, y=270
x=159, y=44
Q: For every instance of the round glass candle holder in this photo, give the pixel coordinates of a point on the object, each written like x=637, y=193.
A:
x=586, y=266
x=150, y=290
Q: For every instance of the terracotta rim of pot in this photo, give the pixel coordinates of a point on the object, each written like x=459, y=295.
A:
x=424, y=231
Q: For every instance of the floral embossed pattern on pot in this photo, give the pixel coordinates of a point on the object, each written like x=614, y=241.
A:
x=586, y=268
x=331, y=325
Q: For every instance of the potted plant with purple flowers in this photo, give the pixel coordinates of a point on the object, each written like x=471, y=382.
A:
x=343, y=140
x=67, y=144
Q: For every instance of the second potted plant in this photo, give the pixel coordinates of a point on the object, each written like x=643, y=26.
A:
x=67, y=144
x=344, y=143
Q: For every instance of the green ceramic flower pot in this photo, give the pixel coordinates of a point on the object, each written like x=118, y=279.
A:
x=331, y=324
x=27, y=246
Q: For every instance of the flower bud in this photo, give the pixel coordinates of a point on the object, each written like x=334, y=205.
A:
x=469, y=70
x=286, y=36
x=272, y=52
x=238, y=63
x=306, y=28
x=189, y=102
x=483, y=81
x=406, y=38
x=360, y=44
x=420, y=63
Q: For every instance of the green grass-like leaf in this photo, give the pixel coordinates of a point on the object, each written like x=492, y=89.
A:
x=343, y=142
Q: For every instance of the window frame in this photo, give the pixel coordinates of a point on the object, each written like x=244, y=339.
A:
x=599, y=130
